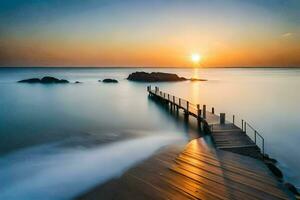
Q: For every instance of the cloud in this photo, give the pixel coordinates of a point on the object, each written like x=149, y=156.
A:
x=288, y=34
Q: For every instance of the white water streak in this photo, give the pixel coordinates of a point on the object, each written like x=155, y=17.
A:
x=33, y=174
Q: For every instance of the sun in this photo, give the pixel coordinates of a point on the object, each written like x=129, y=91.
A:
x=196, y=58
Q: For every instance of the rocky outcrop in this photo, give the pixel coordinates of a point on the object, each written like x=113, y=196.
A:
x=31, y=80
x=267, y=158
x=292, y=188
x=275, y=170
x=109, y=80
x=44, y=80
x=154, y=77
x=197, y=79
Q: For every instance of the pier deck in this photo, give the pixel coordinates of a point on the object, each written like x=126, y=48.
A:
x=194, y=171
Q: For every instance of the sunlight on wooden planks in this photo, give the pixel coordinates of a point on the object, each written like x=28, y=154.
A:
x=194, y=172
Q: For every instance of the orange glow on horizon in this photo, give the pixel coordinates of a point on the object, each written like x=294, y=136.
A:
x=123, y=53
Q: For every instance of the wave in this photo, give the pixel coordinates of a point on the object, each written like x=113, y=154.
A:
x=54, y=172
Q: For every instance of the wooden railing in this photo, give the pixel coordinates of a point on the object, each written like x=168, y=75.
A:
x=198, y=112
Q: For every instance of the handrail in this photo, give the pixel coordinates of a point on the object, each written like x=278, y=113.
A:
x=244, y=124
x=255, y=136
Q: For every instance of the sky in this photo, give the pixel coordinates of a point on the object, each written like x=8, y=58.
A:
x=156, y=33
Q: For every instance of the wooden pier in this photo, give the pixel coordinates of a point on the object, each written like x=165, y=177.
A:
x=227, y=135
x=196, y=171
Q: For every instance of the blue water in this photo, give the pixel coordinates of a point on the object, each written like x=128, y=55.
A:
x=48, y=130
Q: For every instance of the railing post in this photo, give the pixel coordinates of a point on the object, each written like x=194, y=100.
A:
x=179, y=102
x=174, y=100
x=187, y=107
x=242, y=125
x=168, y=97
x=160, y=93
x=156, y=89
x=148, y=88
x=213, y=110
x=222, y=118
x=263, y=146
x=255, y=136
x=233, y=119
x=198, y=111
x=164, y=95
x=204, y=111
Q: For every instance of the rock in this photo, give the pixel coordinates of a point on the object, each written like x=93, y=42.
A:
x=268, y=159
x=274, y=170
x=49, y=79
x=273, y=160
x=109, y=80
x=45, y=80
x=197, y=79
x=266, y=156
x=154, y=77
x=76, y=82
x=292, y=188
x=31, y=80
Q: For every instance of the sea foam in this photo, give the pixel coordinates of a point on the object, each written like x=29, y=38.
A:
x=53, y=172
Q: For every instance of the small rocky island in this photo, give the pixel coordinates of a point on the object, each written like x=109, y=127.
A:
x=109, y=80
x=44, y=80
x=154, y=77
x=197, y=79
x=158, y=77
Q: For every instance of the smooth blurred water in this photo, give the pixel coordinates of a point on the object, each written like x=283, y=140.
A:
x=81, y=118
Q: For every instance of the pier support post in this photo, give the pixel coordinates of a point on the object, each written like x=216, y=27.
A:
x=186, y=111
x=187, y=107
x=174, y=102
x=242, y=125
x=204, y=111
x=198, y=111
x=213, y=110
x=199, y=117
x=222, y=118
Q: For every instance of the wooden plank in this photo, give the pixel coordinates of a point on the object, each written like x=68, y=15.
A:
x=224, y=187
x=235, y=168
x=230, y=179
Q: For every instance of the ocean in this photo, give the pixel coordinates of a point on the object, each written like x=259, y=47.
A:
x=72, y=137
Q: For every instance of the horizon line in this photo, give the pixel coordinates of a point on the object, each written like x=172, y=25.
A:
x=148, y=67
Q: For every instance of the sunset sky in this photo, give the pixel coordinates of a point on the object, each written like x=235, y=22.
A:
x=226, y=33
